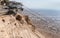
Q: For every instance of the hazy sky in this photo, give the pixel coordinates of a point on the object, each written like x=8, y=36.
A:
x=41, y=4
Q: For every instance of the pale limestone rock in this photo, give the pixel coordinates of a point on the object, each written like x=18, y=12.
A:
x=13, y=27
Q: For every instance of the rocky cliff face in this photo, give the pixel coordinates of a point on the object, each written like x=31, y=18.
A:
x=18, y=26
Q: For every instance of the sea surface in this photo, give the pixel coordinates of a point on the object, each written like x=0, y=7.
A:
x=48, y=13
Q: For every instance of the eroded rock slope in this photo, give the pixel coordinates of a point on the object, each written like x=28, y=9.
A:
x=18, y=26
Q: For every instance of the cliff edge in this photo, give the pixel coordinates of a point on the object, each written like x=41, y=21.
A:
x=18, y=26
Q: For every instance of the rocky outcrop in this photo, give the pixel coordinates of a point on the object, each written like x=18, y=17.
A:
x=18, y=26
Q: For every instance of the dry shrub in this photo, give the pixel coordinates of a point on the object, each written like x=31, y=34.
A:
x=3, y=20
x=29, y=22
x=18, y=17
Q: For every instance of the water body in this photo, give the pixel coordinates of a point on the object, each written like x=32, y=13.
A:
x=48, y=13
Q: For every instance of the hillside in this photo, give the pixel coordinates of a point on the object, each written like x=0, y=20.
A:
x=17, y=27
x=18, y=22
